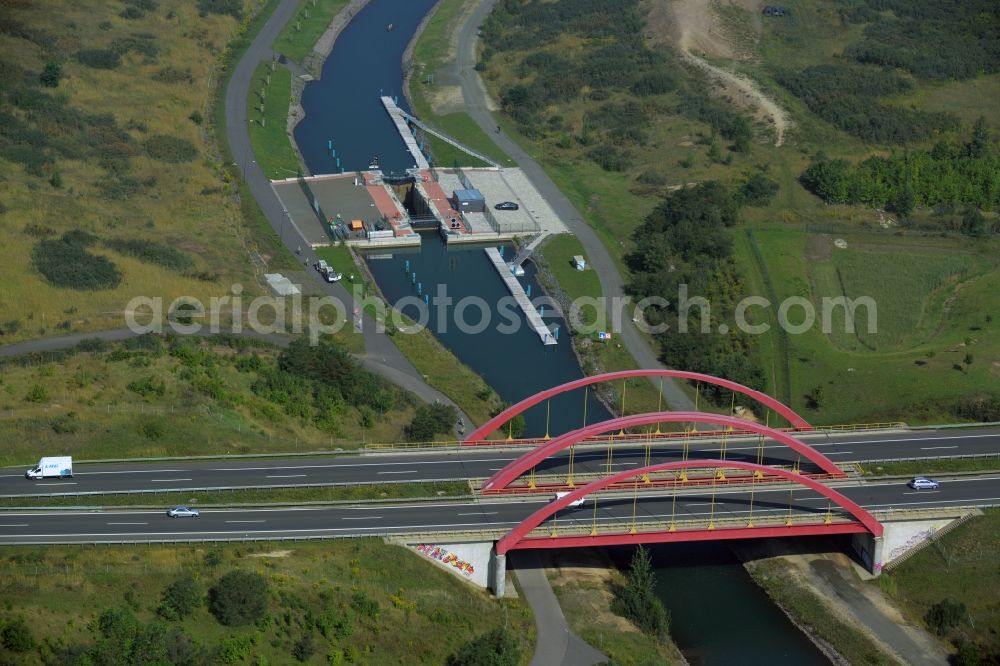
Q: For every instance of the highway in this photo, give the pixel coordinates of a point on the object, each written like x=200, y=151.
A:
x=378, y=519
x=475, y=463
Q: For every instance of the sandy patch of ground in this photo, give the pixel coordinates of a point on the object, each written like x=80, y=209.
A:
x=586, y=569
x=447, y=99
x=273, y=553
x=695, y=27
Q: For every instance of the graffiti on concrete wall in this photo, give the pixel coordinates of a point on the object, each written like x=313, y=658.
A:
x=447, y=557
x=910, y=543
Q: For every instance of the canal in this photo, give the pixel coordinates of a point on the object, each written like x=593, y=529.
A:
x=719, y=616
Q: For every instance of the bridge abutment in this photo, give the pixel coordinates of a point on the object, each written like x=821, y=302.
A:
x=497, y=573
x=869, y=549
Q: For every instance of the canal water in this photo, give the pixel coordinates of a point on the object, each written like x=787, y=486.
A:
x=719, y=616
x=343, y=106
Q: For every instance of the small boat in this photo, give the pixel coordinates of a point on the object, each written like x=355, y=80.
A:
x=389, y=27
x=373, y=165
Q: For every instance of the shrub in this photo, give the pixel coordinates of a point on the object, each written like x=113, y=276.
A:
x=757, y=190
x=51, y=74
x=99, y=58
x=364, y=605
x=151, y=252
x=610, y=157
x=495, y=648
x=944, y=615
x=36, y=394
x=173, y=75
x=304, y=648
x=654, y=178
x=431, y=420
x=66, y=424
x=17, y=636
x=196, y=117
x=239, y=598
x=654, y=83
x=152, y=430
x=168, y=148
x=180, y=598
x=232, y=7
x=67, y=263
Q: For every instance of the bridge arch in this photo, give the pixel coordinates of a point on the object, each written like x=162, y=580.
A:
x=868, y=522
x=519, y=466
x=494, y=423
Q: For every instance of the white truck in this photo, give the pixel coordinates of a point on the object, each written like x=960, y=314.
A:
x=56, y=467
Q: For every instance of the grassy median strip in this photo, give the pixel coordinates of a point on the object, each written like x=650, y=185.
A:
x=253, y=495
x=942, y=466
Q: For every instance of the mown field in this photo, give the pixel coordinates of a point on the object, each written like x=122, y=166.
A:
x=299, y=37
x=961, y=568
x=272, y=148
x=336, y=602
x=152, y=398
x=120, y=148
x=934, y=301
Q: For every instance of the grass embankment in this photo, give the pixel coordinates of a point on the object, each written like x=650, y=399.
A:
x=582, y=581
x=185, y=398
x=271, y=89
x=960, y=566
x=93, y=157
x=258, y=496
x=352, y=601
x=436, y=103
x=935, y=341
x=299, y=37
x=814, y=615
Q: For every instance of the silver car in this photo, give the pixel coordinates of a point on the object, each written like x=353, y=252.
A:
x=183, y=512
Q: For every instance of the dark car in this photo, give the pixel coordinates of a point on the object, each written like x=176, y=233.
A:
x=506, y=205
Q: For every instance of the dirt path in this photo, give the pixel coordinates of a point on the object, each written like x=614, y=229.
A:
x=694, y=28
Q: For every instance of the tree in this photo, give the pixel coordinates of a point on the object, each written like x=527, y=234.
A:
x=979, y=142
x=240, y=597
x=51, y=74
x=494, y=648
x=973, y=223
x=637, y=600
x=180, y=598
x=17, y=636
x=429, y=421
x=304, y=647
x=944, y=615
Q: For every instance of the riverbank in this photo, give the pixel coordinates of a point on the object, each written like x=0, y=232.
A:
x=849, y=620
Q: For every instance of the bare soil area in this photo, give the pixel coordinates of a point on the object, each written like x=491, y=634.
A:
x=698, y=28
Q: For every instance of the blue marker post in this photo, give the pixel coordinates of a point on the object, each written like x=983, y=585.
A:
x=420, y=288
x=541, y=310
x=529, y=291
x=338, y=162
x=407, y=265
x=557, y=332
x=329, y=144
x=395, y=100
x=414, y=275
x=427, y=299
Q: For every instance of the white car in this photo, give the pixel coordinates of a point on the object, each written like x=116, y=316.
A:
x=923, y=483
x=576, y=502
x=183, y=512
x=332, y=276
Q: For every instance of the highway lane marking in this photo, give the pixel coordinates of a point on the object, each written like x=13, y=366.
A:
x=480, y=513
x=839, y=453
x=128, y=523
x=284, y=476
x=58, y=483
x=166, y=480
x=456, y=461
x=21, y=525
x=934, y=448
x=922, y=492
x=245, y=521
x=360, y=517
x=400, y=471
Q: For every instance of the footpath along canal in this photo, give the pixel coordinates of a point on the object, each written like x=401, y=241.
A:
x=719, y=616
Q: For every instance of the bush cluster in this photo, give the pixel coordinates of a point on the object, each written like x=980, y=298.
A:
x=67, y=263
x=151, y=252
x=168, y=148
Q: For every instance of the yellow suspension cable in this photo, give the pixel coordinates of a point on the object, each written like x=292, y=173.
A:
x=510, y=430
x=711, y=514
x=684, y=456
x=569, y=477
x=788, y=522
x=635, y=503
x=531, y=479
x=624, y=384
x=649, y=450
x=673, y=511
x=610, y=454
x=829, y=513
x=585, y=388
x=593, y=525
x=548, y=412
x=753, y=485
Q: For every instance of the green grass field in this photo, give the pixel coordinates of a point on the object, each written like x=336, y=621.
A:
x=269, y=138
x=297, y=39
x=912, y=287
x=960, y=566
x=414, y=611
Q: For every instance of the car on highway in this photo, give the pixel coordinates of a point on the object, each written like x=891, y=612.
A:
x=923, y=483
x=183, y=512
x=506, y=205
x=576, y=502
